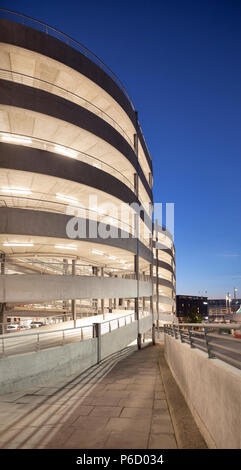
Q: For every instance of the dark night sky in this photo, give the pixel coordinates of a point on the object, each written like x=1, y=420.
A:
x=180, y=62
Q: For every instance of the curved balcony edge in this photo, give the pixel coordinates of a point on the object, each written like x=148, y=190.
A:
x=27, y=37
x=47, y=224
x=42, y=288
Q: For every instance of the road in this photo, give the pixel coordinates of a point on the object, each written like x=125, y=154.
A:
x=225, y=341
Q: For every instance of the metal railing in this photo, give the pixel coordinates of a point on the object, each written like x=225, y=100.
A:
x=65, y=38
x=63, y=93
x=34, y=341
x=214, y=339
x=39, y=267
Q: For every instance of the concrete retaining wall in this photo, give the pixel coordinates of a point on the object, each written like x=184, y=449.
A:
x=118, y=339
x=18, y=372
x=21, y=371
x=212, y=390
x=145, y=324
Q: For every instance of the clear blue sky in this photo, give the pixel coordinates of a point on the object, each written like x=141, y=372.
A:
x=181, y=64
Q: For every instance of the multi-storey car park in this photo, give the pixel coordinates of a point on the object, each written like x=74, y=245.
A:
x=71, y=145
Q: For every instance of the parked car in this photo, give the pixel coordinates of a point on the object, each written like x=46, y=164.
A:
x=36, y=324
x=13, y=327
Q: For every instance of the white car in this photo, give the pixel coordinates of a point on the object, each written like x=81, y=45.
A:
x=13, y=327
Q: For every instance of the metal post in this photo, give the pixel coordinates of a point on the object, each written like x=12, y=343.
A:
x=210, y=355
x=97, y=327
x=190, y=336
x=180, y=333
x=38, y=345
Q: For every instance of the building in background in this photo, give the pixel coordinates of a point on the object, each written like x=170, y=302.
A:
x=185, y=304
x=223, y=309
x=71, y=144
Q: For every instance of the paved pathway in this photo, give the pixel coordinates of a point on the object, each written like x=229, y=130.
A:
x=119, y=404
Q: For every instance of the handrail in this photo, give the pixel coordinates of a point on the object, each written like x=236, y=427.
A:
x=12, y=73
x=189, y=333
x=66, y=269
x=18, y=347
x=40, y=26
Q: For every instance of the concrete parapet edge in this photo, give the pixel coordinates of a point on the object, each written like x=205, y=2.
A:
x=217, y=417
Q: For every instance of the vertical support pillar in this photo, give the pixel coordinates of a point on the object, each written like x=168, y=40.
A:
x=151, y=303
x=74, y=300
x=102, y=300
x=3, y=263
x=143, y=305
x=157, y=283
x=2, y=305
x=65, y=304
x=95, y=301
x=137, y=230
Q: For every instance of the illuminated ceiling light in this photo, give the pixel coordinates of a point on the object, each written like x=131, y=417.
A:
x=17, y=244
x=66, y=198
x=65, y=247
x=112, y=257
x=65, y=151
x=16, y=139
x=24, y=191
x=96, y=252
x=97, y=165
x=96, y=209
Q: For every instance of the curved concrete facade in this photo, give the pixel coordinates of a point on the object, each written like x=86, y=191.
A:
x=164, y=280
x=76, y=180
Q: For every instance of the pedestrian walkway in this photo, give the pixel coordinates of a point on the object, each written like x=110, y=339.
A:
x=119, y=404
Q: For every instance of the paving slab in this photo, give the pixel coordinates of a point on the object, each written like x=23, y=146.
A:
x=120, y=407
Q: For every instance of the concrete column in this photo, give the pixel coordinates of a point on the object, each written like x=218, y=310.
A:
x=95, y=301
x=2, y=317
x=157, y=287
x=102, y=300
x=74, y=300
x=65, y=272
x=3, y=263
x=137, y=313
x=151, y=304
